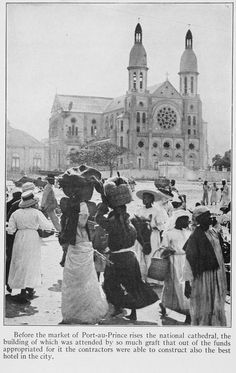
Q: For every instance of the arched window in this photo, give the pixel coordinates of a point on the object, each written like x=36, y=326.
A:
x=191, y=84
x=189, y=132
x=185, y=85
x=73, y=130
x=121, y=126
x=95, y=130
x=138, y=117
x=69, y=131
x=134, y=80
x=194, y=121
x=144, y=118
x=141, y=80
x=76, y=131
x=194, y=132
x=121, y=142
x=138, y=129
x=91, y=130
x=189, y=120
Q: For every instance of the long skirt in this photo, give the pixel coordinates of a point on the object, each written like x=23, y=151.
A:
x=207, y=300
x=173, y=291
x=25, y=267
x=123, y=284
x=83, y=300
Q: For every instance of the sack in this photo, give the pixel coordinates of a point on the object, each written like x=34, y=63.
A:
x=159, y=268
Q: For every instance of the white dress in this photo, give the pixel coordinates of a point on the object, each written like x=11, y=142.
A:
x=158, y=218
x=173, y=291
x=83, y=300
x=25, y=268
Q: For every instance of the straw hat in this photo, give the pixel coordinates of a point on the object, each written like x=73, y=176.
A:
x=28, y=199
x=158, y=196
x=27, y=186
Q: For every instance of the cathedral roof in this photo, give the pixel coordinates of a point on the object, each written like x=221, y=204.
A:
x=165, y=89
x=81, y=104
x=19, y=138
x=116, y=104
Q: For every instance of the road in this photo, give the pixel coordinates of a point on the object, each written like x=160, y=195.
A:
x=45, y=308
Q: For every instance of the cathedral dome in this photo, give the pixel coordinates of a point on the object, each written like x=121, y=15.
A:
x=188, y=62
x=138, y=55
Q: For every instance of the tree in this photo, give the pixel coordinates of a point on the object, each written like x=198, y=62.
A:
x=103, y=154
x=222, y=162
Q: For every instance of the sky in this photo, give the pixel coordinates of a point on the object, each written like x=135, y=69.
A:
x=83, y=49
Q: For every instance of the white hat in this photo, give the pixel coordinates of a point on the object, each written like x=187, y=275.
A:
x=158, y=196
x=28, y=186
x=28, y=199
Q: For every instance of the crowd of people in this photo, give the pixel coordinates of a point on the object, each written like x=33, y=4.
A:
x=164, y=228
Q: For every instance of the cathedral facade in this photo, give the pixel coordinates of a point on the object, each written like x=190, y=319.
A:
x=158, y=125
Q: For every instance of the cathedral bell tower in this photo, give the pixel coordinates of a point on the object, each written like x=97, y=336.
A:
x=188, y=69
x=137, y=64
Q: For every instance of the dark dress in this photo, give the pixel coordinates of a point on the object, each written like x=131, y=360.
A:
x=123, y=284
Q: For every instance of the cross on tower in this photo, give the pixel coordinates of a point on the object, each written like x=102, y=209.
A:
x=167, y=75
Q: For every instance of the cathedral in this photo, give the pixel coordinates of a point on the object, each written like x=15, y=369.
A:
x=158, y=125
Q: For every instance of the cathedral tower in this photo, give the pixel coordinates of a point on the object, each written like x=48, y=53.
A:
x=138, y=64
x=188, y=69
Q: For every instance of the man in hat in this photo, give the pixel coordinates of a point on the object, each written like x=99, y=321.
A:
x=205, y=272
x=49, y=202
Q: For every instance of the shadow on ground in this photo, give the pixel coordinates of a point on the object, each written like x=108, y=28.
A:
x=56, y=287
x=14, y=309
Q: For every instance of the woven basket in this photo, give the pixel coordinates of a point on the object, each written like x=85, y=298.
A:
x=159, y=268
x=119, y=196
x=162, y=182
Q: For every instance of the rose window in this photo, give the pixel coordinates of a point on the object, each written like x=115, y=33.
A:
x=166, y=117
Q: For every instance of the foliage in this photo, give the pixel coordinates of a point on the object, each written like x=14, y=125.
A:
x=222, y=162
x=103, y=154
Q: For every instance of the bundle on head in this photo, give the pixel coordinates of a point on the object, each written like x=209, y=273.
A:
x=117, y=191
x=162, y=182
x=79, y=181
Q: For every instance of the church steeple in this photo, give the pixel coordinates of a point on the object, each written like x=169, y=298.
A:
x=188, y=68
x=189, y=40
x=138, y=63
x=138, y=34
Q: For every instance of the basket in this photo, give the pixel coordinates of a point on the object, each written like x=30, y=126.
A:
x=162, y=182
x=119, y=196
x=159, y=268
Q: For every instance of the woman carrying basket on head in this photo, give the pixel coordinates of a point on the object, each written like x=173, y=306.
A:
x=123, y=284
x=83, y=301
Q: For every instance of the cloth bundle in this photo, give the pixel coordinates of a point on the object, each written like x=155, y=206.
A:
x=117, y=191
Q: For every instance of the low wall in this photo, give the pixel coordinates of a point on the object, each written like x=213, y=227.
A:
x=177, y=173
